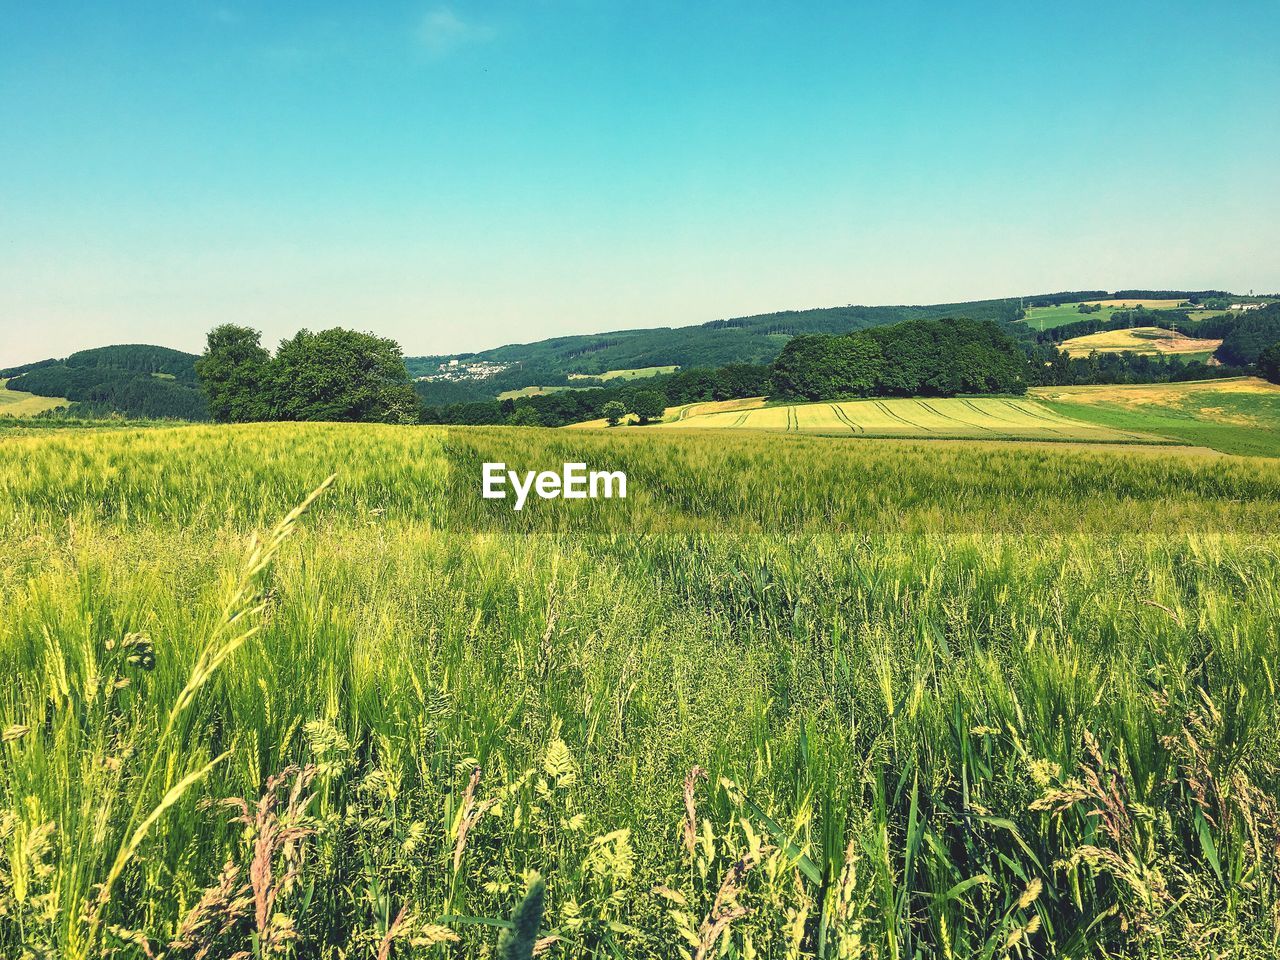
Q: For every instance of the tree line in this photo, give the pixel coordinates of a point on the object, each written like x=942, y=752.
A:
x=345, y=375
x=917, y=358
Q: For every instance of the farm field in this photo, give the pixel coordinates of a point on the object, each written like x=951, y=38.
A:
x=1238, y=415
x=1151, y=341
x=992, y=418
x=1046, y=318
x=16, y=403
x=898, y=699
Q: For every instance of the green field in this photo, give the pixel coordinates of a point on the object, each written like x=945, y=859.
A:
x=1238, y=415
x=16, y=403
x=878, y=699
x=532, y=392
x=1046, y=318
x=984, y=418
x=634, y=374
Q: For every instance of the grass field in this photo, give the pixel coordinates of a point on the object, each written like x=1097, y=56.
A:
x=1151, y=341
x=876, y=700
x=1238, y=415
x=1046, y=318
x=680, y=412
x=532, y=392
x=16, y=403
x=635, y=374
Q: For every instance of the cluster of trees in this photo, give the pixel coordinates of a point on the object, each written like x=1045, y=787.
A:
x=647, y=405
x=1053, y=367
x=334, y=374
x=132, y=380
x=915, y=358
x=1250, y=335
x=1269, y=362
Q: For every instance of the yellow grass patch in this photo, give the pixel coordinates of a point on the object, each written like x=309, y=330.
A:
x=16, y=403
x=633, y=374
x=989, y=418
x=1142, y=394
x=1145, y=340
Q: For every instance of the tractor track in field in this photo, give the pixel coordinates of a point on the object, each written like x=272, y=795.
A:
x=1036, y=414
x=844, y=418
x=986, y=413
x=901, y=419
x=947, y=416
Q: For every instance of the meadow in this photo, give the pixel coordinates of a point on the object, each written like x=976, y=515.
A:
x=637, y=373
x=533, y=392
x=1046, y=318
x=1238, y=415
x=18, y=403
x=794, y=697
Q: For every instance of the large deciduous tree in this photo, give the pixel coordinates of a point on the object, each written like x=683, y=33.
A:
x=233, y=373
x=341, y=374
x=648, y=405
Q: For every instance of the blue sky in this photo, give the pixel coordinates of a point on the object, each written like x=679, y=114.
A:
x=467, y=174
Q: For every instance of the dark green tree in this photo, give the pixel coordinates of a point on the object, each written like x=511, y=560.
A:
x=1269, y=363
x=233, y=372
x=648, y=405
x=1251, y=333
x=341, y=375
x=613, y=411
x=819, y=367
x=524, y=416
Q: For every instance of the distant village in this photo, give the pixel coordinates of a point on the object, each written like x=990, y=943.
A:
x=456, y=370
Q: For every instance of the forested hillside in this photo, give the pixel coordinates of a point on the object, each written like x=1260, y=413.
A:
x=133, y=380
x=750, y=340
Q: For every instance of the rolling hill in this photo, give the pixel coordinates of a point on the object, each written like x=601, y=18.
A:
x=756, y=339
x=133, y=380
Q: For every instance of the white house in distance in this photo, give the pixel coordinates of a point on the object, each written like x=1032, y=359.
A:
x=1247, y=306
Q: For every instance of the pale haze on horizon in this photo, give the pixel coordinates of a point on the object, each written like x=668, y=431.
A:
x=457, y=176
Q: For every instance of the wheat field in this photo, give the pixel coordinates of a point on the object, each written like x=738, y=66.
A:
x=996, y=418
x=794, y=697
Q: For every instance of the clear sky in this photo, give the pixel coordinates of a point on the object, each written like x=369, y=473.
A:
x=462, y=175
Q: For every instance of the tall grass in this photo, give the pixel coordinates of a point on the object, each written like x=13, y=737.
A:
x=831, y=700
